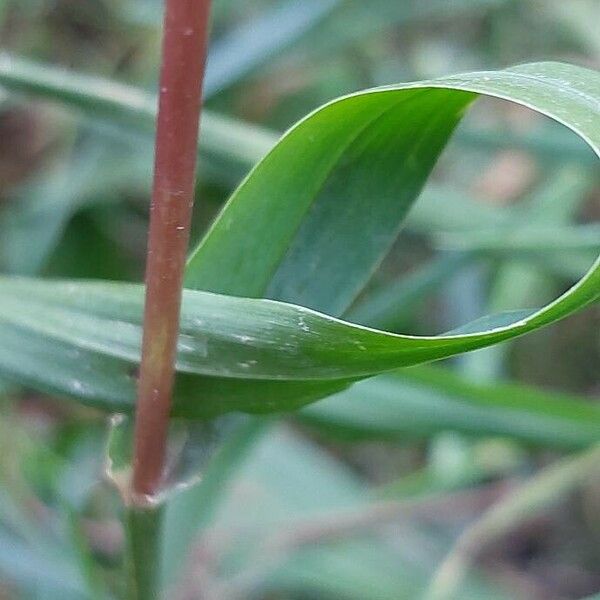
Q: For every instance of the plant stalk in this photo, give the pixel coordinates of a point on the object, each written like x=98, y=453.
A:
x=182, y=72
x=143, y=528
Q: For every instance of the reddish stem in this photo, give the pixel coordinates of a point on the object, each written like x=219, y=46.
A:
x=182, y=72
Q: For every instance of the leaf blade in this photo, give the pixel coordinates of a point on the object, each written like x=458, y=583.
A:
x=235, y=349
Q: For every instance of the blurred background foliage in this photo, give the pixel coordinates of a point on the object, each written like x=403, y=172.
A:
x=348, y=499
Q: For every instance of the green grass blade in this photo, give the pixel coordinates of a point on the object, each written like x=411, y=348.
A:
x=308, y=226
x=247, y=47
x=314, y=213
x=234, y=353
x=424, y=401
x=358, y=166
x=562, y=238
x=387, y=306
x=129, y=107
x=226, y=336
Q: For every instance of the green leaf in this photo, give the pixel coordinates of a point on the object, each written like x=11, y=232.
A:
x=389, y=304
x=31, y=229
x=553, y=145
x=423, y=401
x=348, y=172
x=308, y=225
x=129, y=108
x=247, y=47
x=234, y=344
x=330, y=197
x=525, y=239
